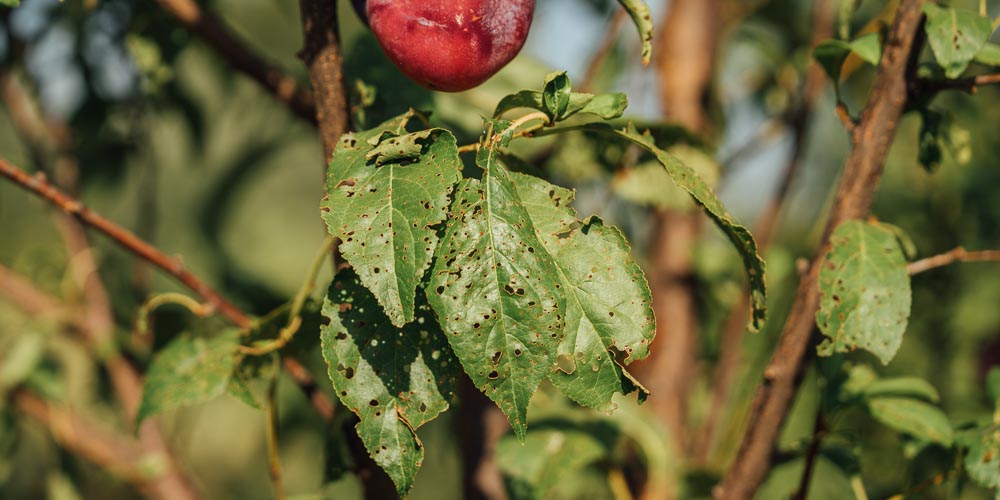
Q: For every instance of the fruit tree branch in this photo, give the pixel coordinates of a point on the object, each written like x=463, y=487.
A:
x=872, y=138
x=322, y=56
x=39, y=186
x=213, y=32
x=950, y=257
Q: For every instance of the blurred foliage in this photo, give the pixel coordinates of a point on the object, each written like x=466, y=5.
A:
x=196, y=158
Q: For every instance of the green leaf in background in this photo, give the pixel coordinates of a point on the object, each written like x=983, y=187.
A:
x=495, y=291
x=955, y=36
x=989, y=55
x=394, y=379
x=831, y=54
x=909, y=387
x=10, y=3
x=608, y=305
x=643, y=19
x=844, y=14
x=386, y=190
x=913, y=417
x=993, y=384
x=982, y=458
x=187, y=371
x=552, y=451
x=649, y=184
x=687, y=179
x=864, y=292
x=21, y=355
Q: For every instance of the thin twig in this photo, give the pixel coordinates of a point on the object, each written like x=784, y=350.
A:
x=39, y=186
x=950, y=257
x=863, y=169
x=812, y=454
x=273, y=448
x=120, y=455
x=295, y=311
x=214, y=32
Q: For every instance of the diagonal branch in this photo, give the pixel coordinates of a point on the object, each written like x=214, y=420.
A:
x=213, y=32
x=872, y=138
x=952, y=256
x=39, y=186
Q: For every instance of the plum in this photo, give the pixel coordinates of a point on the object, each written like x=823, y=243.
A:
x=450, y=45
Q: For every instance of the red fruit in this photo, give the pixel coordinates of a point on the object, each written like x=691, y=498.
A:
x=450, y=45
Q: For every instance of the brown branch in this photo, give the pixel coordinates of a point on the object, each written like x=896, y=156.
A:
x=812, y=454
x=322, y=56
x=25, y=295
x=214, y=32
x=39, y=186
x=925, y=88
x=950, y=257
x=863, y=169
x=731, y=344
x=119, y=455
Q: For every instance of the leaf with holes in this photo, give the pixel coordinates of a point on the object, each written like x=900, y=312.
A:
x=914, y=417
x=394, y=379
x=494, y=289
x=864, y=291
x=608, y=303
x=982, y=458
x=687, y=179
x=643, y=20
x=956, y=36
x=188, y=370
x=386, y=192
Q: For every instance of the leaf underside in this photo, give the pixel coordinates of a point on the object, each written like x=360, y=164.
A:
x=864, y=291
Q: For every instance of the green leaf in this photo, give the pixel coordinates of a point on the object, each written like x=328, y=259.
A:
x=687, y=179
x=982, y=459
x=993, y=383
x=188, y=371
x=909, y=387
x=955, y=36
x=556, y=95
x=989, y=55
x=394, y=379
x=10, y=3
x=494, y=288
x=831, y=54
x=386, y=190
x=608, y=303
x=913, y=417
x=643, y=19
x=21, y=356
x=549, y=454
x=606, y=106
x=844, y=13
x=864, y=292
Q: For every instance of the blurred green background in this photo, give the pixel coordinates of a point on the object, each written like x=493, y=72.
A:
x=175, y=145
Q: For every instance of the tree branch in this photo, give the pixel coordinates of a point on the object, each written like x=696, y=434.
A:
x=119, y=455
x=214, y=33
x=322, y=56
x=950, y=257
x=872, y=138
x=39, y=186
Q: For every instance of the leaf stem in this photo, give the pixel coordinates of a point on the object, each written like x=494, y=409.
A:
x=514, y=125
x=298, y=302
x=273, y=449
x=142, y=316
